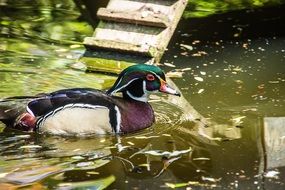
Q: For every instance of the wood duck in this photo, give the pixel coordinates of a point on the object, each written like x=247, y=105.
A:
x=85, y=111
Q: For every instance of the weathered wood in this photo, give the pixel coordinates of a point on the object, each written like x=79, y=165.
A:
x=137, y=17
x=120, y=46
x=131, y=37
x=274, y=141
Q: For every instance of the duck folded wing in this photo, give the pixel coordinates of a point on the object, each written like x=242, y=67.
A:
x=56, y=100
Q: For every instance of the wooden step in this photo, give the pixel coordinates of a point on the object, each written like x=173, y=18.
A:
x=143, y=17
x=94, y=43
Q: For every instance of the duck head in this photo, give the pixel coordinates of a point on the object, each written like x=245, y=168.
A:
x=137, y=81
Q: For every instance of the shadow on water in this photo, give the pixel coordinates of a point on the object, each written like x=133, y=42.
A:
x=236, y=82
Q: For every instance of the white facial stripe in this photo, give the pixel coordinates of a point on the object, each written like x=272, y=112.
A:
x=123, y=85
x=144, y=97
x=118, y=116
x=118, y=83
x=144, y=87
x=30, y=111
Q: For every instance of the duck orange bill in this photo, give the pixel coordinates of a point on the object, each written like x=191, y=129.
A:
x=164, y=87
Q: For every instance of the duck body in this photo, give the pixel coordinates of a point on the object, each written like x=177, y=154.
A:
x=86, y=111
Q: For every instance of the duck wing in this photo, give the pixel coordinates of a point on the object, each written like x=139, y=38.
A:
x=85, y=96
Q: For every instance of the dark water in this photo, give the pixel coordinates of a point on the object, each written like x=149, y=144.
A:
x=237, y=82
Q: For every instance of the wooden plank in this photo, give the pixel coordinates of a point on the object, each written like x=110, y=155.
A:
x=161, y=6
x=120, y=46
x=165, y=36
x=130, y=37
x=138, y=17
x=274, y=140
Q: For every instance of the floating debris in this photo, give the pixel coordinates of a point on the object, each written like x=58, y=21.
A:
x=169, y=65
x=176, y=185
x=273, y=82
x=238, y=119
x=195, y=42
x=131, y=143
x=199, y=54
x=188, y=47
x=210, y=179
x=146, y=137
x=175, y=74
x=93, y=173
x=30, y=146
x=186, y=35
x=90, y=165
x=200, y=91
x=201, y=158
x=272, y=174
x=77, y=157
x=166, y=154
x=200, y=79
x=186, y=69
x=84, y=164
x=193, y=183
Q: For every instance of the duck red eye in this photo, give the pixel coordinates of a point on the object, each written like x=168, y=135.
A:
x=150, y=77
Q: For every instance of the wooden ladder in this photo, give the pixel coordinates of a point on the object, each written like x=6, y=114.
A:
x=139, y=27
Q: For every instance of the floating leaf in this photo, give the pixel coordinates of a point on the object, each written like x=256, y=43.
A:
x=175, y=74
x=200, y=91
x=187, y=46
x=169, y=64
x=211, y=179
x=199, y=54
x=199, y=79
x=176, y=185
x=186, y=69
x=146, y=137
x=163, y=153
x=130, y=143
x=201, y=158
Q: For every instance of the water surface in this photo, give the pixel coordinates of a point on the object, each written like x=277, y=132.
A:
x=234, y=83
